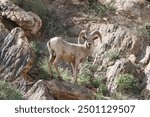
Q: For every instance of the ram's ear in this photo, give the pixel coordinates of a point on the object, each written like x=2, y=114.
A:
x=82, y=35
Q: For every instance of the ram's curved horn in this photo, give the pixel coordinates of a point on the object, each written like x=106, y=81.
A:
x=82, y=35
x=95, y=34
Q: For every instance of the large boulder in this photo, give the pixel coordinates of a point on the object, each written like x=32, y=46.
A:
x=16, y=58
x=59, y=90
x=29, y=21
x=65, y=90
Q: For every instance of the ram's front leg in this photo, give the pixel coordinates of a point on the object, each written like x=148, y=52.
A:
x=75, y=72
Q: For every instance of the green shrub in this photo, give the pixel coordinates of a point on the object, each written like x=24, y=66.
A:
x=86, y=74
x=66, y=73
x=86, y=78
x=127, y=84
x=112, y=55
x=36, y=49
x=101, y=88
x=102, y=9
x=98, y=96
x=119, y=96
x=7, y=92
x=43, y=66
x=40, y=68
x=144, y=30
x=96, y=82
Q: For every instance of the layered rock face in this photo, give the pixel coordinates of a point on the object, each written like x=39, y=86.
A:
x=16, y=57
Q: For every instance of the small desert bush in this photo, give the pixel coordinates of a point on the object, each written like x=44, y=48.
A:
x=65, y=73
x=7, y=92
x=101, y=88
x=112, y=55
x=35, y=47
x=86, y=74
x=127, y=84
x=86, y=78
x=144, y=30
x=43, y=68
x=102, y=9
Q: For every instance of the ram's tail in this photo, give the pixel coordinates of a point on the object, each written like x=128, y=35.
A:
x=51, y=52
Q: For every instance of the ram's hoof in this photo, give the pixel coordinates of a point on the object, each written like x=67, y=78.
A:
x=73, y=81
x=51, y=77
x=60, y=78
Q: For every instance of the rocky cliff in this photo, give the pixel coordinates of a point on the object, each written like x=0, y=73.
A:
x=118, y=65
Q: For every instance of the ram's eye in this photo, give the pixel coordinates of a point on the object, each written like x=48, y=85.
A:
x=95, y=37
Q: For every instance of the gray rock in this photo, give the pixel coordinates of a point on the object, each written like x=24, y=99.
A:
x=39, y=91
x=68, y=91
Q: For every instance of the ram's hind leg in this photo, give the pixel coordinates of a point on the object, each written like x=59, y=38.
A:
x=51, y=60
x=55, y=63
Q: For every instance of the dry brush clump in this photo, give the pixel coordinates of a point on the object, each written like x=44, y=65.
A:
x=8, y=92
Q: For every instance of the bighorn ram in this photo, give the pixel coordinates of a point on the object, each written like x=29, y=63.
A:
x=70, y=52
